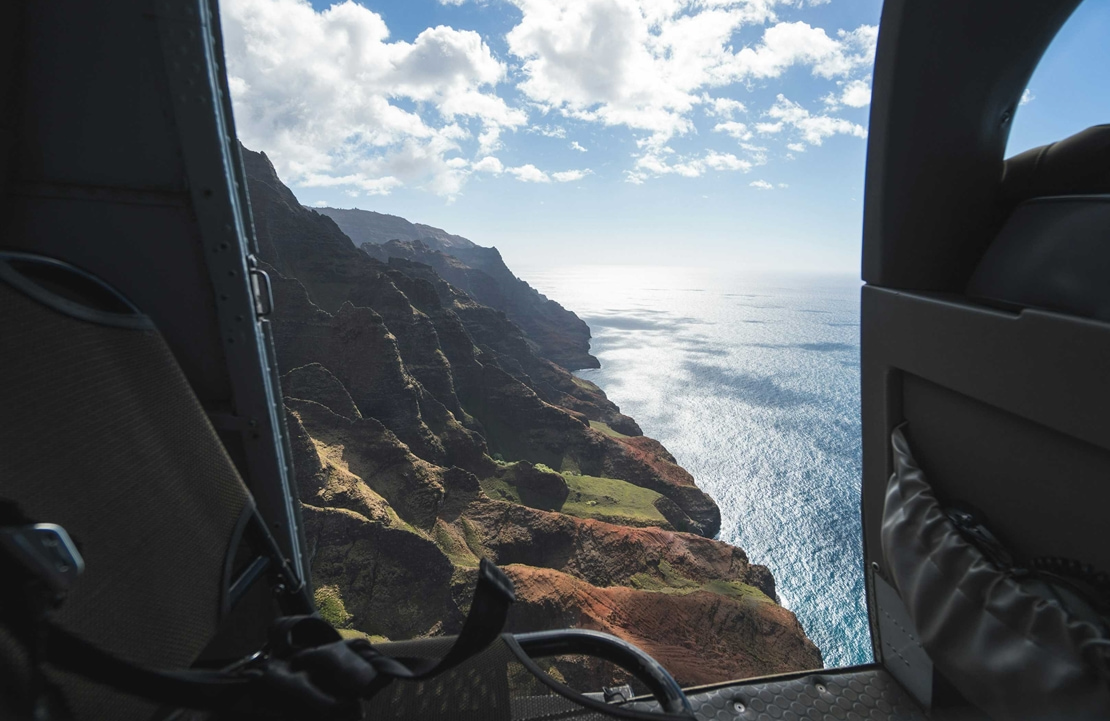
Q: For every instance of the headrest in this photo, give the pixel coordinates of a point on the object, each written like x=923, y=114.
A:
x=1077, y=165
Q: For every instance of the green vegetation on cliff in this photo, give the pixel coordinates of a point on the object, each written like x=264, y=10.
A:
x=670, y=581
x=604, y=428
x=612, y=500
x=329, y=604
x=604, y=499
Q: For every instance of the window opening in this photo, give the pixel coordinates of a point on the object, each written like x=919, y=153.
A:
x=1064, y=96
x=523, y=253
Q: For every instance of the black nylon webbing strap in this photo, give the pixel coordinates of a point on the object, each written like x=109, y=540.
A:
x=312, y=671
x=488, y=611
x=356, y=668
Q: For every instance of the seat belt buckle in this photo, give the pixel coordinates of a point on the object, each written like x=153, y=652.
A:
x=47, y=552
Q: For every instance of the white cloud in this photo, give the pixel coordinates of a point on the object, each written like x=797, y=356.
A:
x=812, y=128
x=734, y=129
x=726, y=161
x=854, y=94
x=328, y=94
x=566, y=176
x=320, y=204
x=549, y=131
x=863, y=41
x=1027, y=97
x=757, y=153
x=529, y=174
x=761, y=184
x=645, y=64
x=384, y=186
x=857, y=94
x=335, y=101
x=488, y=164
x=489, y=139
x=783, y=185
x=723, y=107
x=796, y=147
x=798, y=43
x=654, y=163
x=367, y=183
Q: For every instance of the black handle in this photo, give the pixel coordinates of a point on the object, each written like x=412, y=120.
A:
x=610, y=648
x=70, y=290
x=263, y=292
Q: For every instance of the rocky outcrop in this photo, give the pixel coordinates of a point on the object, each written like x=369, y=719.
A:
x=704, y=636
x=314, y=382
x=395, y=582
x=433, y=423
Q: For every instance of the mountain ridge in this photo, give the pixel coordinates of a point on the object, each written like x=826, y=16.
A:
x=369, y=226
x=559, y=335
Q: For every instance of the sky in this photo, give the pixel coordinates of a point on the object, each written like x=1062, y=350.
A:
x=713, y=133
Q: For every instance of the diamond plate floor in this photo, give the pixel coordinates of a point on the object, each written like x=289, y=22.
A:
x=868, y=694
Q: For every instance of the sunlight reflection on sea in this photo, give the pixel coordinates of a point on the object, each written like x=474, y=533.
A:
x=752, y=382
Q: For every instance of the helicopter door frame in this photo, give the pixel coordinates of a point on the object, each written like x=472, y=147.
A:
x=194, y=66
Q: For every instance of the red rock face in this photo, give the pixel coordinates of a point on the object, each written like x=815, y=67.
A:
x=701, y=637
x=430, y=430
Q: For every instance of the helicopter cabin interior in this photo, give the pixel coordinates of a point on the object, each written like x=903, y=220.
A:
x=128, y=283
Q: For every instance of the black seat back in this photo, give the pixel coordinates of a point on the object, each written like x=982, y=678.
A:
x=101, y=433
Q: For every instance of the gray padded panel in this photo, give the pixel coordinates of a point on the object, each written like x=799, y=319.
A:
x=1043, y=492
x=1053, y=254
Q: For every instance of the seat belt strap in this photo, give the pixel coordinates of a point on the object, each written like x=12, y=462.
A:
x=488, y=612
x=310, y=668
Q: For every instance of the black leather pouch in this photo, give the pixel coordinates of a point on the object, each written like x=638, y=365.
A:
x=1020, y=642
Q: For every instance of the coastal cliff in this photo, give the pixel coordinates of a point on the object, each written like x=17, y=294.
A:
x=435, y=421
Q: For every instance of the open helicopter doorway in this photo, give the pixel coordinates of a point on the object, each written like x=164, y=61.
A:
x=130, y=233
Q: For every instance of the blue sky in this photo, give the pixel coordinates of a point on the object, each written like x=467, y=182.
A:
x=723, y=133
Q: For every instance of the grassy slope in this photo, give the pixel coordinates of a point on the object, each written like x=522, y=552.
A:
x=582, y=383
x=604, y=428
x=604, y=499
x=608, y=499
x=673, y=582
x=615, y=501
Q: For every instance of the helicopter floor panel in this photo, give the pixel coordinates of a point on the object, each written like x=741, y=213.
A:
x=865, y=693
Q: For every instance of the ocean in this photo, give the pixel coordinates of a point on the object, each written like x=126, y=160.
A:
x=752, y=382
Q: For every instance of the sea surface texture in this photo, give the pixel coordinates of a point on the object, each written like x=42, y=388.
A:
x=752, y=382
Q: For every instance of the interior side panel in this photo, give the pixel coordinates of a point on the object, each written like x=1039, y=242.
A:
x=1043, y=367
x=101, y=106
x=1041, y=490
